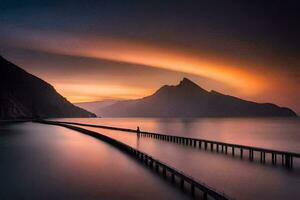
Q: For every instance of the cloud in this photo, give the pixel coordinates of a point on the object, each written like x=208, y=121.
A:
x=134, y=52
x=251, y=82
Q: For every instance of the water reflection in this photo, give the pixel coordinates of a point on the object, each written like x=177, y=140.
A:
x=48, y=162
x=275, y=133
x=238, y=178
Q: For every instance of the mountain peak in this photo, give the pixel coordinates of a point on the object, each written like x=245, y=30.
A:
x=187, y=99
x=187, y=83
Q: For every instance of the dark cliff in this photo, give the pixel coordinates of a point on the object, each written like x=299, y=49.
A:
x=23, y=95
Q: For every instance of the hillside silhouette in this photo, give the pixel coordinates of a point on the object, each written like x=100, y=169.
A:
x=23, y=95
x=187, y=99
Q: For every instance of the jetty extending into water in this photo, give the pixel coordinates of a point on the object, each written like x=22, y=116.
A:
x=284, y=157
x=167, y=172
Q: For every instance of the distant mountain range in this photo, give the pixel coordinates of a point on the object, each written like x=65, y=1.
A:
x=23, y=95
x=96, y=106
x=187, y=99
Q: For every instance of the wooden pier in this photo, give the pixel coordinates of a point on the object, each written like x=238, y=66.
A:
x=169, y=173
x=284, y=157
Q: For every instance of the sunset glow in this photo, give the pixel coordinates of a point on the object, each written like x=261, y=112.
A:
x=142, y=100
x=86, y=93
x=151, y=56
x=108, y=55
x=130, y=52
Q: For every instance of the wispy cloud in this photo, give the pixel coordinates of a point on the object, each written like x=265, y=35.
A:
x=134, y=52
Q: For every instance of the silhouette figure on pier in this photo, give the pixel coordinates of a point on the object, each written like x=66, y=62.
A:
x=138, y=131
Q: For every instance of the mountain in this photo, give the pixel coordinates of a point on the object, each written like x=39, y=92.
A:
x=23, y=95
x=95, y=106
x=187, y=99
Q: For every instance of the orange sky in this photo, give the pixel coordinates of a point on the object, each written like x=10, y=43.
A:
x=250, y=79
x=150, y=55
x=93, y=50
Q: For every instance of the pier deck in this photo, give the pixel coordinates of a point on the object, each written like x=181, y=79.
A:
x=157, y=166
x=287, y=158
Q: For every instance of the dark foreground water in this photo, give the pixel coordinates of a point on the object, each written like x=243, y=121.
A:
x=240, y=179
x=40, y=162
x=49, y=162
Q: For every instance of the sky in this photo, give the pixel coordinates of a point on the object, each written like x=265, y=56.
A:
x=96, y=50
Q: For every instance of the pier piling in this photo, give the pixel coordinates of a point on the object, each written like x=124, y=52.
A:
x=149, y=162
x=241, y=154
x=287, y=158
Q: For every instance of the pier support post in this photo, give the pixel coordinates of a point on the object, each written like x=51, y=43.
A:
x=287, y=161
x=241, y=153
x=164, y=172
x=156, y=167
x=274, y=158
x=192, y=190
x=172, y=177
x=233, y=151
x=251, y=155
x=182, y=183
x=204, y=195
x=211, y=146
x=151, y=163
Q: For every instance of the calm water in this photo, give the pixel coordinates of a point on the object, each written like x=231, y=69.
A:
x=240, y=179
x=48, y=162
